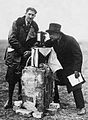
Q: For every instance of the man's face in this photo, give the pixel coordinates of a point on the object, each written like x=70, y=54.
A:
x=53, y=36
x=29, y=16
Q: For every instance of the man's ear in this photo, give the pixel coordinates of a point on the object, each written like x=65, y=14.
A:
x=35, y=15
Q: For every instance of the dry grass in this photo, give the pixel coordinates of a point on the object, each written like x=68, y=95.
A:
x=63, y=114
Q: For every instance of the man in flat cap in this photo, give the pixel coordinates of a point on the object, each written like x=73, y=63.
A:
x=70, y=57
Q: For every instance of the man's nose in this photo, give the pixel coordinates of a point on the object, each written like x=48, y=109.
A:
x=30, y=16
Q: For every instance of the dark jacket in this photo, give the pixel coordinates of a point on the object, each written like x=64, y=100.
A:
x=21, y=38
x=68, y=53
x=70, y=57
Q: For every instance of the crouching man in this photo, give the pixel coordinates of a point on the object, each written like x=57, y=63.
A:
x=70, y=57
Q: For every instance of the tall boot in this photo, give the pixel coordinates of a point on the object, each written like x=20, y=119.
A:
x=9, y=102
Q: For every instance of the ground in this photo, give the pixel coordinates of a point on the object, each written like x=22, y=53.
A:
x=63, y=114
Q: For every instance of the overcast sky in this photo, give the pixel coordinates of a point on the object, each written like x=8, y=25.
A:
x=71, y=14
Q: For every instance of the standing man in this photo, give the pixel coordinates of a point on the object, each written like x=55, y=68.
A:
x=70, y=57
x=22, y=36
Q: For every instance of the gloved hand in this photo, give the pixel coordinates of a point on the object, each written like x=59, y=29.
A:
x=76, y=74
x=26, y=54
x=36, y=44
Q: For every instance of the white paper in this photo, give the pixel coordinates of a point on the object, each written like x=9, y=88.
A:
x=74, y=81
x=53, y=62
x=10, y=49
x=45, y=51
x=34, y=57
x=23, y=111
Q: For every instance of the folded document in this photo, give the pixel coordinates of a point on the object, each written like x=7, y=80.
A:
x=75, y=81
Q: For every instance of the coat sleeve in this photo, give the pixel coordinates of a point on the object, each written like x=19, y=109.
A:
x=48, y=43
x=77, y=55
x=13, y=40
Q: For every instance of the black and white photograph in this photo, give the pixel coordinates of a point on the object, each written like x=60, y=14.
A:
x=43, y=59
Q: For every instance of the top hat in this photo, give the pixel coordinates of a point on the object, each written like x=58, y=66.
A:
x=54, y=27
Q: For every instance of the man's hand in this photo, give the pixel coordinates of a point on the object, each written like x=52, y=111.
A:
x=76, y=74
x=26, y=53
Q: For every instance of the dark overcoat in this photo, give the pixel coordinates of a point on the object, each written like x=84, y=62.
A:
x=21, y=38
x=69, y=55
x=17, y=38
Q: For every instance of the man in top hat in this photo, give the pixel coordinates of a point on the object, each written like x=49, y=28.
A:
x=70, y=57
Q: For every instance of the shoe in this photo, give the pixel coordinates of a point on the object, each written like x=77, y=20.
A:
x=8, y=105
x=81, y=111
x=19, y=97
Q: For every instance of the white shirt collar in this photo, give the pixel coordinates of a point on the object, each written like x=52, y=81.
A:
x=27, y=23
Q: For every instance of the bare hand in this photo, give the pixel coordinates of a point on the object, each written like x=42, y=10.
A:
x=76, y=74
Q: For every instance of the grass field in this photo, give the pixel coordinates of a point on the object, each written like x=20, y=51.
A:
x=63, y=114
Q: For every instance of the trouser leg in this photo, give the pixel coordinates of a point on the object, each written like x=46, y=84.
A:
x=19, y=87
x=19, y=90
x=11, y=90
x=56, y=97
x=18, y=79
x=79, y=100
x=10, y=80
